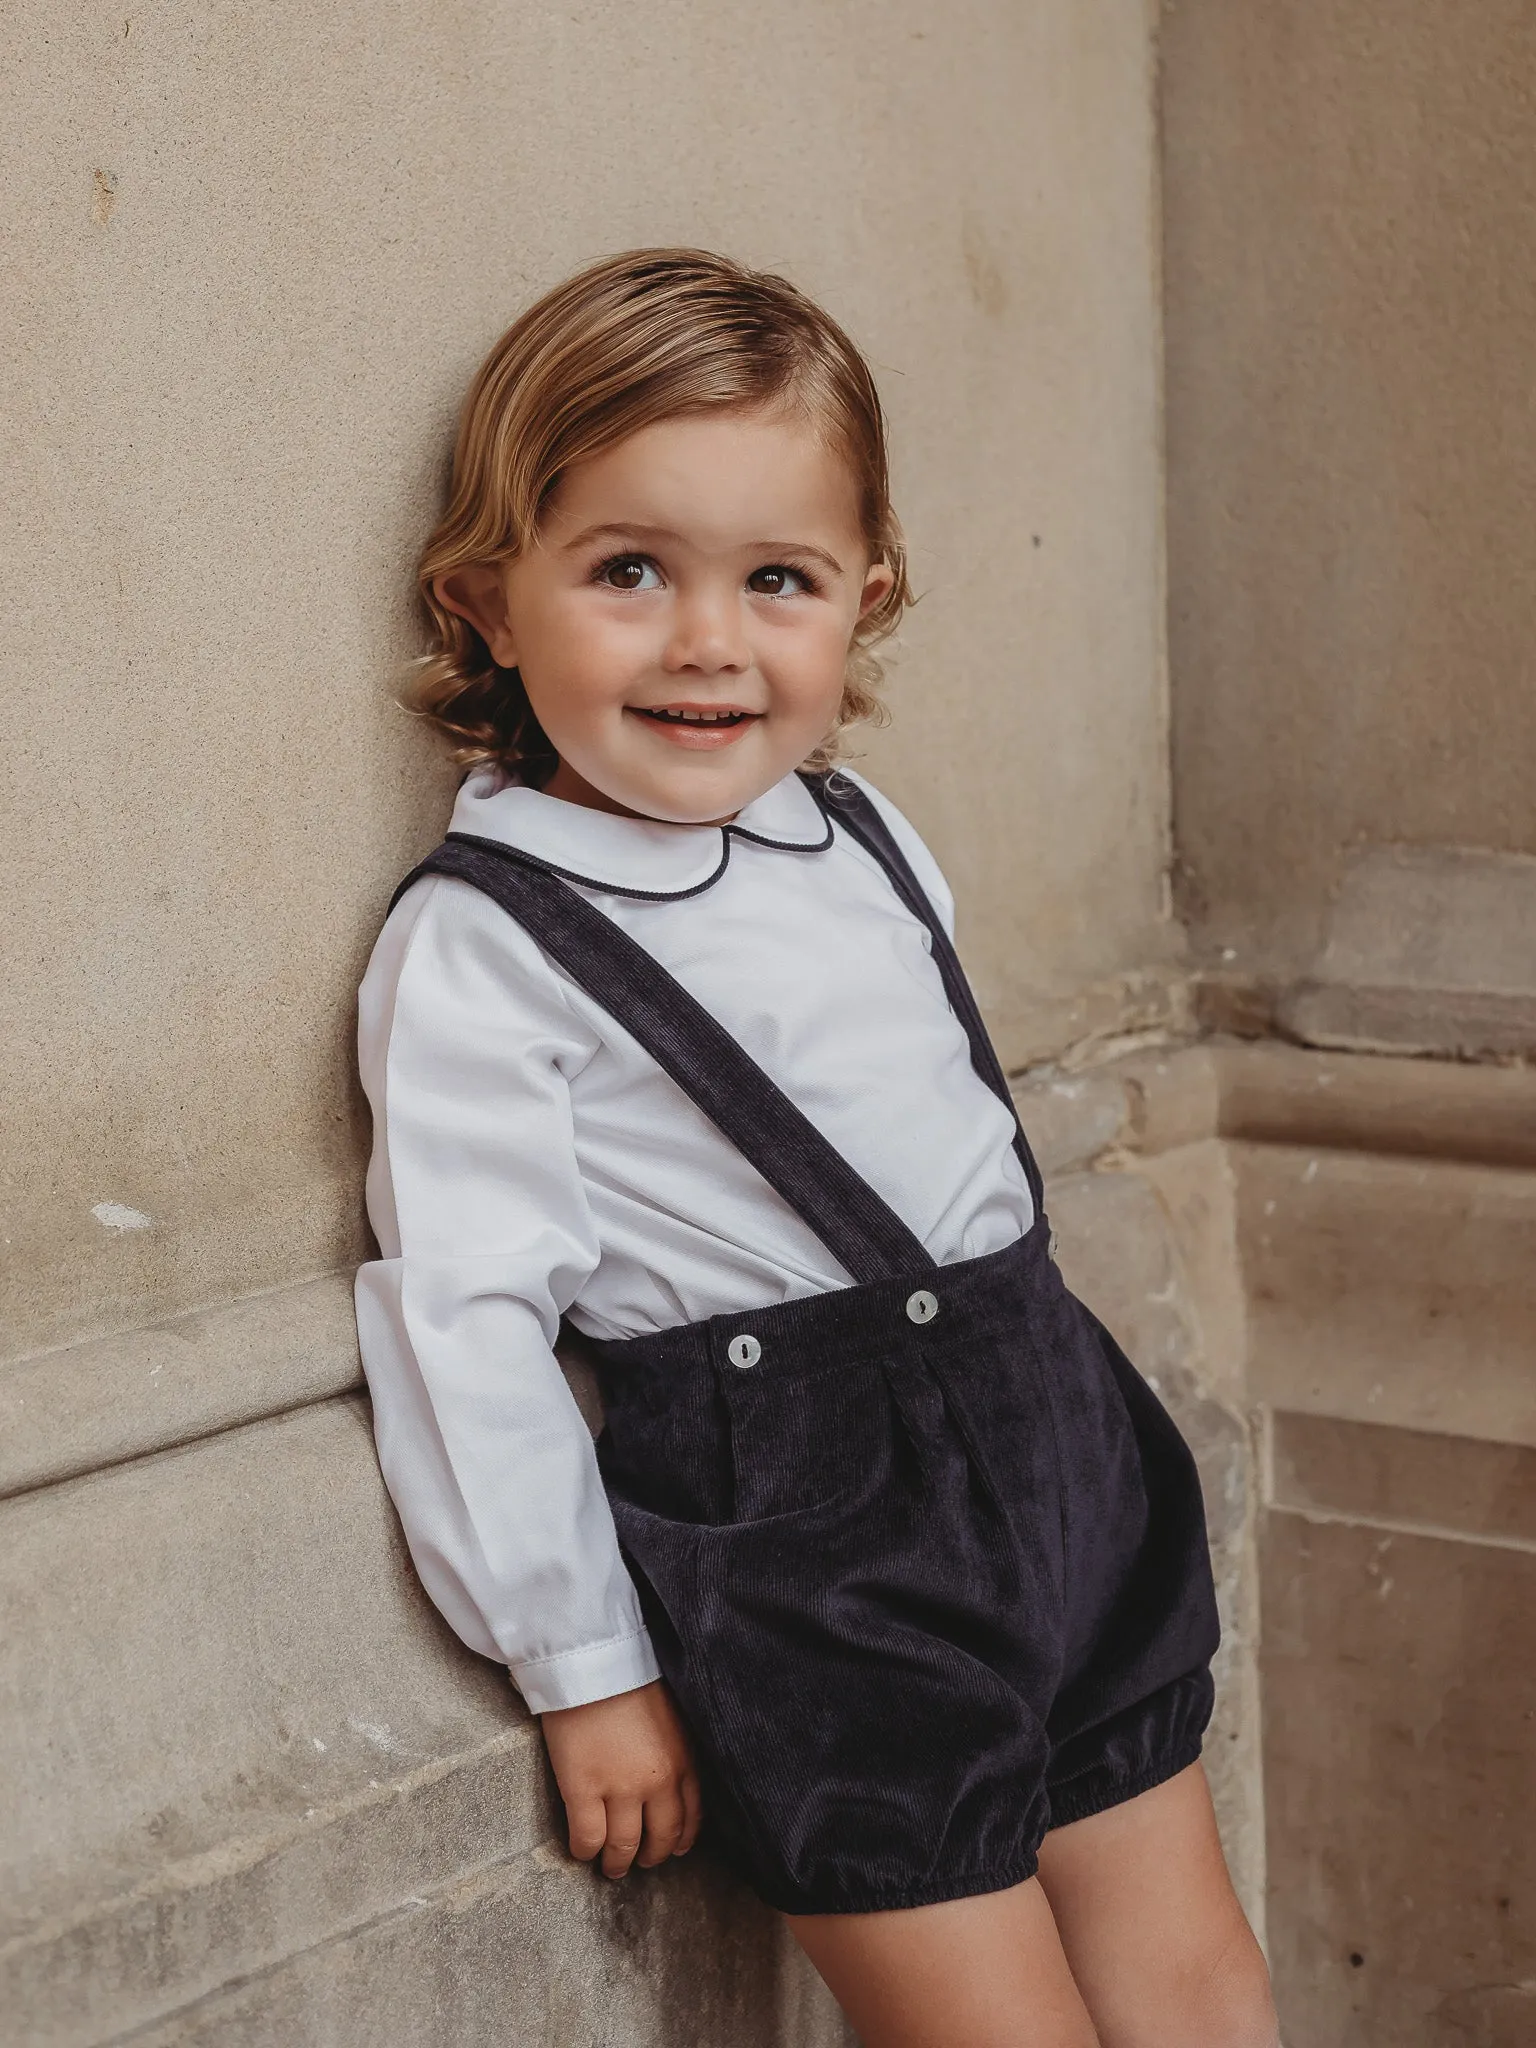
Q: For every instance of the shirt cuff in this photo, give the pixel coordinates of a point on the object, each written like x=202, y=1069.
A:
x=577, y=1677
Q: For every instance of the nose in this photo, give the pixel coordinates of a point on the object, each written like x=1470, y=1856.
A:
x=707, y=634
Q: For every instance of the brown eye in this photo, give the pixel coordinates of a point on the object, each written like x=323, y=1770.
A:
x=774, y=580
x=626, y=572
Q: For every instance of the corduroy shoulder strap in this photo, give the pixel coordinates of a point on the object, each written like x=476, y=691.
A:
x=860, y=1229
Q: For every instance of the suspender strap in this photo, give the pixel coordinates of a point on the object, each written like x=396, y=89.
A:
x=845, y=803
x=862, y=1231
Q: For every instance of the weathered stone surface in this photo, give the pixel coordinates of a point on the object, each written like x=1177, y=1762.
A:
x=1403, y=1478
x=1390, y=1289
x=206, y=1649
x=1071, y=1118
x=89, y=1405
x=1430, y=949
x=535, y=1951
x=1349, y=1102
x=1398, y=1677
x=236, y=1910
x=1194, y=1186
x=244, y=1752
x=1349, y=284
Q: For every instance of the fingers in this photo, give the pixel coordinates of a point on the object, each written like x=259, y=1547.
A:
x=587, y=1822
x=663, y=1826
x=672, y=1820
x=624, y=1770
x=626, y=1830
x=693, y=1813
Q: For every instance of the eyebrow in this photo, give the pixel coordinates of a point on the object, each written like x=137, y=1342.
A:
x=769, y=548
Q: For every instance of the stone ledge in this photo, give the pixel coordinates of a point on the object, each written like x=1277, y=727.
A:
x=1450, y=1487
x=1158, y=1100
x=85, y=1406
x=1387, y=1289
x=261, y=1936
x=1362, y=1102
x=531, y=1948
x=213, y=1646
x=255, y=1900
x=1430, y=949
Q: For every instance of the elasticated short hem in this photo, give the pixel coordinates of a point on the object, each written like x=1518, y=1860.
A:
x=960, y=1885
x=1094, y=1790
x=1097, y=1791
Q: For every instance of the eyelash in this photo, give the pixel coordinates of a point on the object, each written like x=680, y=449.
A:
x=811, y=583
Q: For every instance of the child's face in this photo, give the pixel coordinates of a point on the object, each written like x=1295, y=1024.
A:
x=683, y=622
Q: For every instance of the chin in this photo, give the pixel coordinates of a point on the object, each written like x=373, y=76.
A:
x=674, y=808
x=695, y=800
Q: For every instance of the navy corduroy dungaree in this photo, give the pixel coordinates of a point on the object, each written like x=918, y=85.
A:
x=923, y=1559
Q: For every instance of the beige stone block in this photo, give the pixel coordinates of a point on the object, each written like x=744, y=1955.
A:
x=1390, y=1290
x=1403, y=1478
x=1400, y=1775
x=1070, y=1119
x=267, y=1892
x=88, y=1405
x=1175, y=1096
x=1352, y=1102
x=1194, y=1186
x=1430, y=949
x=256, y=1792
x=538, y=1951
x=1147, y=1101
x=1096, y=1021
x=215, y=1646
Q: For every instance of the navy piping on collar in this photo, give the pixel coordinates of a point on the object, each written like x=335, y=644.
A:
x=727, y=833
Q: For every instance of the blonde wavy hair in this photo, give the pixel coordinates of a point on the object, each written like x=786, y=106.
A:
x=654, y=334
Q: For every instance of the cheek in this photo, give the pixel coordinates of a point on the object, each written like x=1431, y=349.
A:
x=579, y=651
x=811, y=661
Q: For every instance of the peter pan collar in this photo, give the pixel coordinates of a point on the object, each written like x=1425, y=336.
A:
x=634, y=856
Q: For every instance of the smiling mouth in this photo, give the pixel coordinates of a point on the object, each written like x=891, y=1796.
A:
x=692, y=715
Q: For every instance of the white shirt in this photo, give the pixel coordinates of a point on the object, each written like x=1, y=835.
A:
x=531, y=1160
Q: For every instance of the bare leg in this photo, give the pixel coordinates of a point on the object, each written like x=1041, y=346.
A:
x=1152, y=1929
x=984, y=1972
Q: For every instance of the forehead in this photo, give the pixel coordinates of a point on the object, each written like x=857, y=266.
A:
x=715, y=475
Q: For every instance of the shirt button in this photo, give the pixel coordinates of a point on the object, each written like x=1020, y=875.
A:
x=922, y=1307
x=744, y=1351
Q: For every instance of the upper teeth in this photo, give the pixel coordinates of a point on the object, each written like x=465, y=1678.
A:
x=699, y=717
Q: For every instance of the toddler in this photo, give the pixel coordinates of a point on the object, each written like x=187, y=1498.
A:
x=887, y=1565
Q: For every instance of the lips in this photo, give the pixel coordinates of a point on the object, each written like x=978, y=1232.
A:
x=699, y=728
x=664, y=714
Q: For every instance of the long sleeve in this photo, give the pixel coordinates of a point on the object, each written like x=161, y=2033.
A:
x=467, y=1045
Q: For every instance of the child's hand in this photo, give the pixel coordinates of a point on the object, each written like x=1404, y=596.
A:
x=627, y=1779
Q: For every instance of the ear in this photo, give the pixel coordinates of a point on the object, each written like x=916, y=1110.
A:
x=879, y=581
x=478, y=593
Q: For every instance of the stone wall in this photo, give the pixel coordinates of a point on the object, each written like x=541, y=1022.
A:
x=252, y=1790
x=1351, y=288
x=1350, y=284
